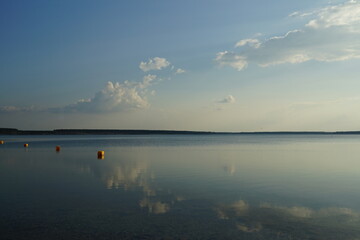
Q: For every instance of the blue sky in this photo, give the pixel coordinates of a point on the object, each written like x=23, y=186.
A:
x=195, y=65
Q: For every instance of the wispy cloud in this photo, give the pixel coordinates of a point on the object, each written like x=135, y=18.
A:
x=250, y=42
x=14, y=109
x=179, y=71
x=231, y=59
x=330, y=35
x=227, y=99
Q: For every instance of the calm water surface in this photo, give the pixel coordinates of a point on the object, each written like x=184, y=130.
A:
x=181, y=187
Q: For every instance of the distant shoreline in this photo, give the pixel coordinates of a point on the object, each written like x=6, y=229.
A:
x=14, y=131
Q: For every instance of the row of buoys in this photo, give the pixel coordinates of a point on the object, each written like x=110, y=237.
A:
x=100, y=154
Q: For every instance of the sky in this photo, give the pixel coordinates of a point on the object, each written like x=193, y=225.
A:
x=207, y=65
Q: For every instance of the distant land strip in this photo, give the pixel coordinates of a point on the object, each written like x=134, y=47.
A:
x=14, y=131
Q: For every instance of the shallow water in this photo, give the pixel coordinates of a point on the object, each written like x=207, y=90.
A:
x=180, y=187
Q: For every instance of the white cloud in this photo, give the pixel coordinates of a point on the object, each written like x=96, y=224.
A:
x=331, y=35
x=255, y=43
x=345, y=15
x=301, y=14
x=228, y=99
x=114, y=97
x=179, y=71
x=294, y=14
x=232, y=59
x=155, y=63
x=147, y=81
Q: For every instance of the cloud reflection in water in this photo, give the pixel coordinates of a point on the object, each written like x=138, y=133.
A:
x=154, y=207
x=130, y=176
x=289, y=220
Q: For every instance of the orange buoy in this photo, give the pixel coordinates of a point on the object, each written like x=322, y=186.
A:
x=101, y=154
x=57, y=148
x=2, y=142
x=26, y=145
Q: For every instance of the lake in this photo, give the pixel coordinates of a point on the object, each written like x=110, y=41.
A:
x=181, y=187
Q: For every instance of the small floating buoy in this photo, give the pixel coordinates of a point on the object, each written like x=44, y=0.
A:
x=101, y=154
x=57, y=148
x=26, y=145
x=2, y=142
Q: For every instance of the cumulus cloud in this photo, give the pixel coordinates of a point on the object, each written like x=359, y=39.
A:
x=115, y=97
x=228, y=99
x=155, y=63
x=331, y=34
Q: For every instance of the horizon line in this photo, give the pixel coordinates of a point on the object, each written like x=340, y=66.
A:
x=85, y=131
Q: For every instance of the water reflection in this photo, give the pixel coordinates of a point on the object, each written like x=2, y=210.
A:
x=249, y=228
x=131, y=175
x=230, y=169
x=296, y=222
x=218, y=192
x=155, y=207
x=126, y=175
x=263, y=219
